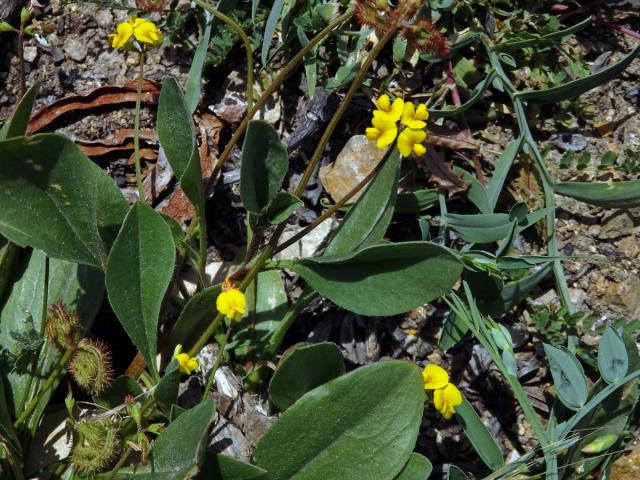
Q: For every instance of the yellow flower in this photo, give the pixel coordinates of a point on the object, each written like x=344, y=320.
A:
x=434, y=377
x=445, y=399
x=410, y=140
x=390, y=112
x=187, y=364
x=383, y=131
x=231, y=303
x=142, y=31
x=415, y=119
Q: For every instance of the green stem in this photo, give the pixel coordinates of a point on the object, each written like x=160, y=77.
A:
x=245, y=41
x=337, y=206
x=53, y=376
x=271, y=89
x=337, y=116
x=218, y=362
x=136, y=127
x=120, y=464
x=23, y=77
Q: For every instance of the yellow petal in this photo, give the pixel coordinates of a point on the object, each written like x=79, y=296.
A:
x=404, y=144
x=384, y=103
x=453, y=397
x=408, y=113
x=372, y=133
x=438, y=399
x=414, y=124
x=125, y=30
x=419, y=149
x=397, y=108
x=192, y=364
x=386, y=138
x=146, y=32
x=415, y=136
x=421, y=112
x=434, y=377
x=381, y=123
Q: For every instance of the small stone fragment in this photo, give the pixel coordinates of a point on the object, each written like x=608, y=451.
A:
x=358, y=157
x=75, y=48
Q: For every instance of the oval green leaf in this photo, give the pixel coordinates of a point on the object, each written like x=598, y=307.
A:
x=302, y=369
x=55, y=199
x=361, y=425
x=569, y=380
x=478, y=435
x=625, y=194
x=194, y=318
x=222, y=467
x=264, y=165
x=613, y=361
x=480, y=228
x=178, y=139
x=417, y=468
x=139, y=270
x=385, y=279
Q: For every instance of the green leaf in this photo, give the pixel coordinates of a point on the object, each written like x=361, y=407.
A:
x=577, y=87
x=192, y=94
x=415, y=202
x=600, y=444
x=194, y=318
x=254, y=335
x=503, y=165
x=179, y=450
x=613, y=361
x=222, y=467
x=418, y=467
x=281, y=207
x=114, y=395
x=479, y=436
x=476, y=94
x=17, y=125
x=368, y=219
x=545, y=39
x=264, y=165
x=270, y=29
x=303, y=368
x=476, y=193
x=568, y=378
x=361, y=425
x=480, y=228
x=625, y=194
x=454, y=473
x=453, y=331
x=79, y=287
x=178, y=139
x=55, y=199
x=166, y=392
x=139, y=270
x=383, y=279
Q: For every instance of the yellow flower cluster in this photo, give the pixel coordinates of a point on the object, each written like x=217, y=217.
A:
x=231, y=302
x=384, y=129
x=187, y=364
x=446, y=396
x=136, y=32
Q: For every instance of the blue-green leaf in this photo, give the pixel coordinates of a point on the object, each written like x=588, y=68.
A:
x=613, y=360
x=568, y=378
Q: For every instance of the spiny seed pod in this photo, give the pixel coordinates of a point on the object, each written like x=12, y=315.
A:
x=95, y=445
x=91, y=366
x=424, y=37
x=62, y=326
x=374, y=14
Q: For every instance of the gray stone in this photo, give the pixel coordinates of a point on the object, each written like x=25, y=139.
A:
x=30, y=54
x=75, y=48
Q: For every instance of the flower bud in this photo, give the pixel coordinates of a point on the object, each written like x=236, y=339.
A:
x=30, y=30
x=62, y=326
x=91, y=366
x=95, y=444
x=25, y=15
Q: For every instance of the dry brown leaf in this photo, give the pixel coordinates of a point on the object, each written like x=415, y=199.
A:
x=101, y=96
x=122, y=141
x=441, y=172
x=450, y=139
